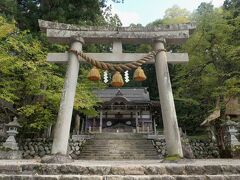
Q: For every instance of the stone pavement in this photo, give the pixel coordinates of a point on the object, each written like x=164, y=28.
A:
x=216, y=169
x=132, y=162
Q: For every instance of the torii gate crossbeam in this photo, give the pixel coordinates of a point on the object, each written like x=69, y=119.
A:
x=77, y=35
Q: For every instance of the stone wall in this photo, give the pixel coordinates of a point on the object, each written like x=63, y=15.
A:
x=204, y=149
x=201, y=149
x=39, y=147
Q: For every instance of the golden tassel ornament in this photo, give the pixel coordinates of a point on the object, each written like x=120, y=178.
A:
x=117, y=80
x=94, y=74
x=139, y=74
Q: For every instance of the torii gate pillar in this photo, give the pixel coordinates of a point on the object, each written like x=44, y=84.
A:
x=62, y=128
x=169, y=116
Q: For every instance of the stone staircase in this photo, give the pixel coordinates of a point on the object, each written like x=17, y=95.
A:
x=123, y=158
x=118, y=146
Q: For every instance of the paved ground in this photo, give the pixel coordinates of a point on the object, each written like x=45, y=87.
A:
x=134, y=162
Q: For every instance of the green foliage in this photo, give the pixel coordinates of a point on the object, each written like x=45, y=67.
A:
x=173, y=15
x=26, y=79
x=214, y=59
x=213, y=70
x=109, y=19
x=203, y=137
x=27, y=12
x=176, y=15
x=33, y=85
x=6, y=28
x=40, y=117
x=82, y=12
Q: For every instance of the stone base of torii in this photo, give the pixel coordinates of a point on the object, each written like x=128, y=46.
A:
x=77, y=36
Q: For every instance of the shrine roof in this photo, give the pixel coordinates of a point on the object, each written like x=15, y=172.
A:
x=136, y=95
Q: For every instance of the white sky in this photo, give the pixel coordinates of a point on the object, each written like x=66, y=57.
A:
x=146, y=11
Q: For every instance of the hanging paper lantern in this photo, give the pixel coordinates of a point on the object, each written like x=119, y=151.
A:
x=139, y=74
x=117, y=80
x=94, y=74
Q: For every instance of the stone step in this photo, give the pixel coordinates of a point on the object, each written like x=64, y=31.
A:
x=119, y=136
x=119, y=177
x=120, y=156
x=116, y=155
x=115, y=142
x=120, y=148
x=118, y=152
x=184, y=167
x=119, y=144
x=113, y=158
x=118, y=139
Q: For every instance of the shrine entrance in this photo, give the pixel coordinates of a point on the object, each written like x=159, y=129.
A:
x=123, y=110
x=116, y=123
x=117, y=62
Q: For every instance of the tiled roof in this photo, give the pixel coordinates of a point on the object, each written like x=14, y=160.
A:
x=131, y=94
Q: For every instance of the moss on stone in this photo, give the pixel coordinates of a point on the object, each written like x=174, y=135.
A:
x=174, y=157
x=6, y=149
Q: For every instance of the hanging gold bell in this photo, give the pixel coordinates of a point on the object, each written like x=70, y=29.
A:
x=139, y=74
x=117, y=80
x=94, y=74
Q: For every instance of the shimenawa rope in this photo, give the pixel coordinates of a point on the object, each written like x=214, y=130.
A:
x=116, y=67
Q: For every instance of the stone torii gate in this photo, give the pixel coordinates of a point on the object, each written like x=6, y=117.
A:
x=77, y=36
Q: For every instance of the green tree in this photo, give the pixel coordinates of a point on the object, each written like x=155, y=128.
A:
x=173, y=15
x=176, y=15
x=37, y=93
x=213, y=70
x=82, y=12
x=30, y=83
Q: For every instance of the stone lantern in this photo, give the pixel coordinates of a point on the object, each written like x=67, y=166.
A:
x=12, y=132
x=231, y=133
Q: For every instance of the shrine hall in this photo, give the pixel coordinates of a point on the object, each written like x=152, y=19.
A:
x=122, y=110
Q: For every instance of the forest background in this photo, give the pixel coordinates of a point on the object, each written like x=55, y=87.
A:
x=34, y=86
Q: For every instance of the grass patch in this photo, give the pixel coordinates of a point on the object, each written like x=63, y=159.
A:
x=174, y=157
